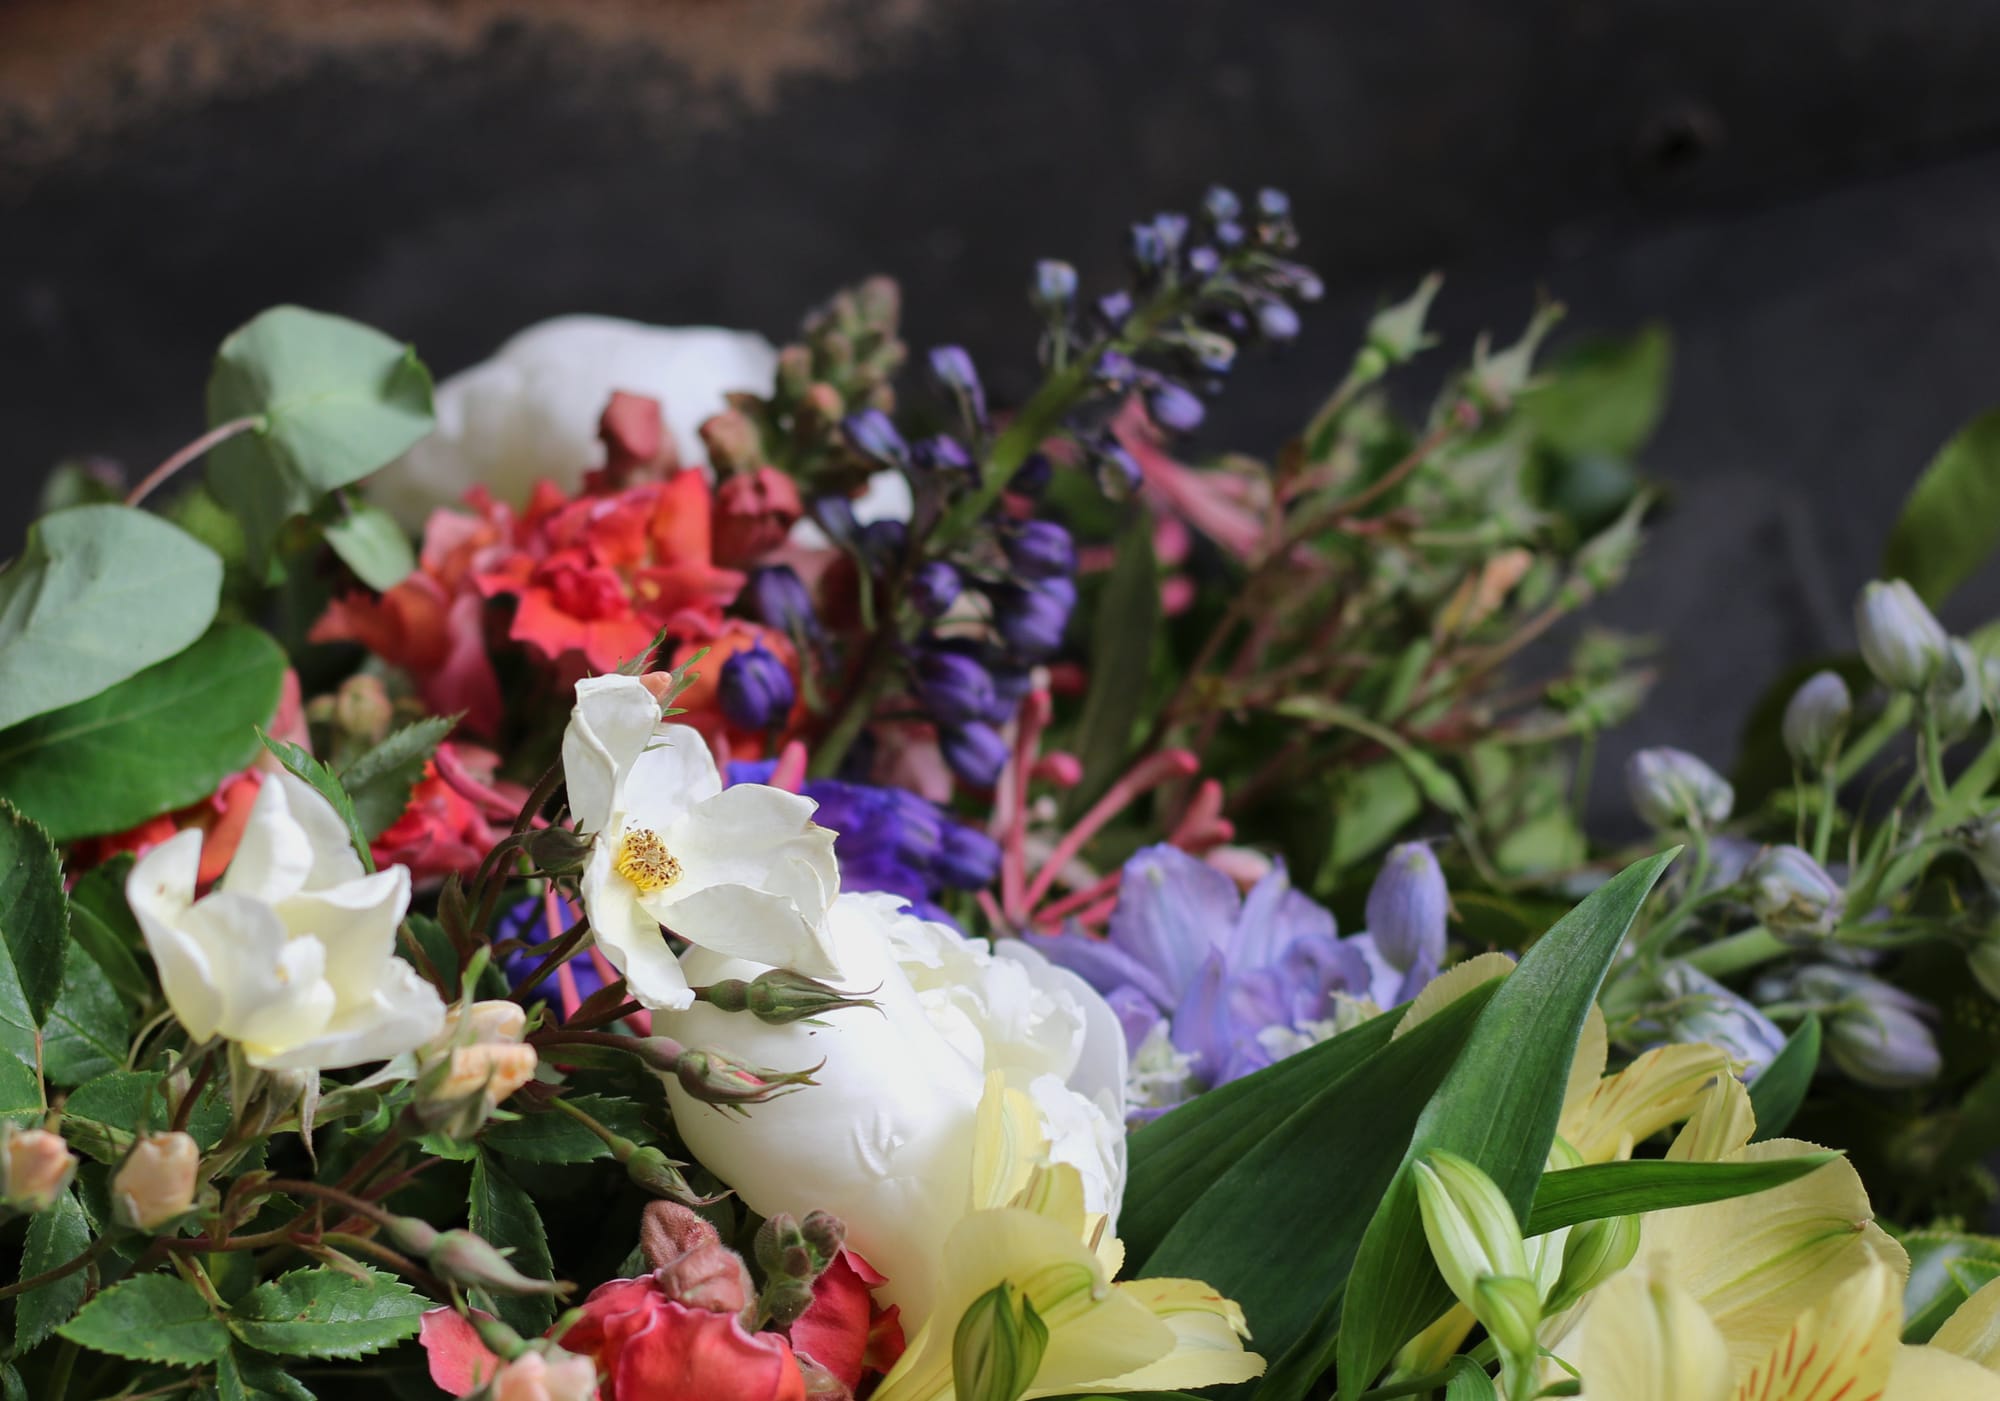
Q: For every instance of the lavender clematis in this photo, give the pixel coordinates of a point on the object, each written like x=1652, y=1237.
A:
x=1209, y=984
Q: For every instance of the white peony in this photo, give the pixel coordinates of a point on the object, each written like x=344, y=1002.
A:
x=744, y=871
x=292, y=955
x=531, y=411
x=884, y=1138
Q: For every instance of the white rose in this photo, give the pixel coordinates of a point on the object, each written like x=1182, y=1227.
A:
x=744, y=870
x=884, y=1137
x=532, y=410
x=292, y=955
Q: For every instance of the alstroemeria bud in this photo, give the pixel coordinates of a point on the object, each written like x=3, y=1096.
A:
x=975, y=753
x=1511, y=1311
x=934, y=587
x=460, y=1257
x=536, y=1375
x=1407, y=907
x=756, y=690
x=1040, y=550
x=715, y=1079
x=1816, y=718
x=1957, y=693
x=779, y=997
x=998, y=1346
x=951, y=686
x=1054, y=286
x=1793, y=895
x=1903, y=644
x=1472, y=1230
x=1672, y=788
x=1595, y=1251
x=37, y=1165
x=156, y=1183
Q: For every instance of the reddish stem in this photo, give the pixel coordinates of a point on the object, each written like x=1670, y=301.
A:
x=221, y=433
x=1148, y=773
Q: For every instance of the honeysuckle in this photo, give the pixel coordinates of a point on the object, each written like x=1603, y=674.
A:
x=1030, y=1229
x=292, y=955
x=744, y=871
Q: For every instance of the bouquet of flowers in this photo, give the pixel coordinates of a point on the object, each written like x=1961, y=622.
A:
x=670, y=869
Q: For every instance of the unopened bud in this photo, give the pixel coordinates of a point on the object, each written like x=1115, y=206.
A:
x=156, y=1183
x=874, y=436
x=1054, y=287
x=37, y=1165
x=731, y=440
x=754, y=510
x=362, y=708
x=1595, y=1251
x=1816, y=719
x=460, y=1257
x=1793, y=895
x=716, y=1079
x=1903, y=644
x=825, y=1233
x=1511, y=1311
x=779, y=997
x=1694, y=1007
x=1397, y=332
x=998, y=1346
x=557, y=851
x=1671, y=788
x=544, y=1373
x=653, y=1171
x=820, y=408
x=1471, y=1228
x=1957, y=694
x=1407, y=907
x=756, y=690
x=457, y=1096
x=794, y=372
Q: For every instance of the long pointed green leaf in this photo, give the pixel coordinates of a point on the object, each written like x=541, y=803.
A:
x=1777, y=1093
x=1498, y=1107
x=1599, y=1190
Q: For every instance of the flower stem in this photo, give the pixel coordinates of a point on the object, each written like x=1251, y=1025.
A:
x=62, y=1271
x=221, y=433
x=1739, y=951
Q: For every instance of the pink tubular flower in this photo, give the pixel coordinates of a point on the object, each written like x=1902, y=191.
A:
x=456, y=813
x=1219, y=505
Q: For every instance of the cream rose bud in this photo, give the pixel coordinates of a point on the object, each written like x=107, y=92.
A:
x=883, y=1138
x=531, y=411
x=292, y=955
x=498, y=1068
x=545, y=1376
x=156, y=1182
x=496, y=1019
x=38, y=1165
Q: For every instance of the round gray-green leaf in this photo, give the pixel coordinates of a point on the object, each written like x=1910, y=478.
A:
x=99, y=594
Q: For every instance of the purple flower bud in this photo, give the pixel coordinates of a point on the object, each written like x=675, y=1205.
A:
x=967, y=859
x=1695, y=1007
x=954, y=370
x=1273, y=204
x=1220, y=204
x=1172, y=229
x=1203, y=260
x=873, y=435
x=1902, y=642
x=934, y=588
x=1117, y=471
x=1055, y=285
x=756, y=689
x=1276, y=321
x=1174, y=407
x=1116, y=370
x=1032, y=477
x=1875, y=1031
x=1113, y=308
x=834, y=514
x=1229, y=234
x=975, y=752
x=778, y=599
x=1040, y=550
x=940, y=454
x=1672, y=788
x=1793, y=895
x=1407, y=906
x=1031, y=619
x=883, y=541
x=951, y=686
x=1147, y=249
x=1011, y=685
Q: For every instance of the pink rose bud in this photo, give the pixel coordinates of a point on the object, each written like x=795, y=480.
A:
x=38, y=1166
x=156, y=1184
x=546, y=1376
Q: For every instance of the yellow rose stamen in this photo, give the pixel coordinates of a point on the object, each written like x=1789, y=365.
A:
x=644, y=860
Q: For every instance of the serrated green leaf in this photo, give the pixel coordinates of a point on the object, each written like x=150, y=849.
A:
x=11, y=1386
x=242, y=1375
x=324, y=1312
x=1780, y=1088
x=101, y=1115
x=1433, y=780
x=380, y=781
x=159, y=741
x=34, y=915
x=1951, y=520
x=556, y=1138
x=1497, y=1107
x=1598, y=1190
x=1121, y=651
x=55, y=1237
x=90, y=1026
x=310, y=771
x=1602, y=397
x=150, y=1318
x=505, y=1215
x=336, y=400
x=101, y=921
x=369, y=542
x=99, y=594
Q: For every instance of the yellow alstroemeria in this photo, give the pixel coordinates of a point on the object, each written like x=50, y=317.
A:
x=1028, y=1227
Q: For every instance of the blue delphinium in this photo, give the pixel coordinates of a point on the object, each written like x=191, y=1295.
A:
x=1211, y=984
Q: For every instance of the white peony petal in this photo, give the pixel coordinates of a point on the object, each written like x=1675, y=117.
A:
x=356, y=924
x=631, y=938
x=614, y=719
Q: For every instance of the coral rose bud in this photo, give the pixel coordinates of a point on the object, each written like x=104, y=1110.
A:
x=156, y=1183
x=38, y=1166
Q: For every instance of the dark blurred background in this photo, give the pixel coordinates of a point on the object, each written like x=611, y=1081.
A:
x=1805, y=191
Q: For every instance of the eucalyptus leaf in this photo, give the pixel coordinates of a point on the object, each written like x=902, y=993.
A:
x=1599, y=1190
x=334, y=401
x=1121, y=651
x=34, y=915
x=1780, y=1088
x=503, y=1214
x=1950, y=521
x=369, y=542
x=99, y=594
x=158, y=741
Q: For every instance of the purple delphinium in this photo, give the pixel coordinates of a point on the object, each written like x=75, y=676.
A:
x=1211, y=984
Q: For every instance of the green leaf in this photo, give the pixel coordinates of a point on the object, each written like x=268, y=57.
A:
x=1282, y=1265
x=380, y=781
x=1599, y=1190
x=1934, y=1291
x=1121, y=653
x=1779, y=1090
x=1433, y=780
x=302, y=766
x=324, y=1312
x=1603, y=397
x=336, y=400
x=1951, y=519
x=34, y=916
x=102, y=923
x=506, y=1216
x=369, y=542
x=55, y=1237
x=150, y=1318
x=1371, y=805
x=157, y=742
x=1498, y=1108
x=101, y=1115
x=550, y=1137
x=87, y=1032
x=11, y=1386
x=99, y=594
x=21, y=1098
x=1469, y=1382
x=242, y=1375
